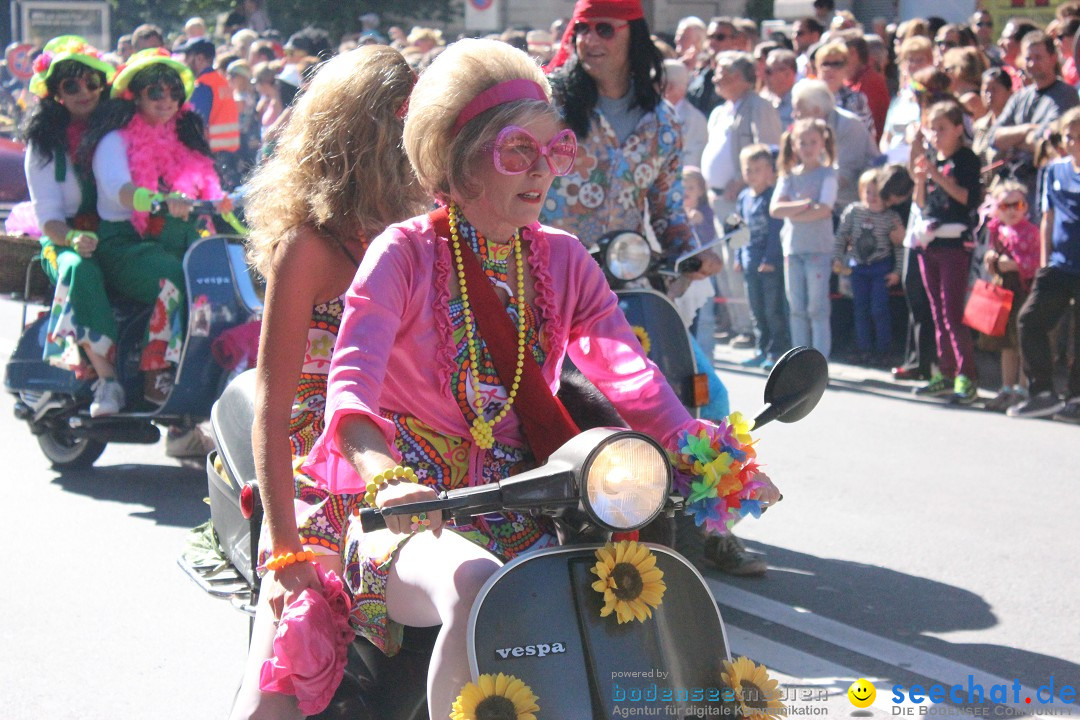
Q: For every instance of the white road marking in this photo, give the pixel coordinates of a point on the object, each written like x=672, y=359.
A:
x=913, y=660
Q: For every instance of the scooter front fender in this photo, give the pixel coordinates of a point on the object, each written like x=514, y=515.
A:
x=538, y=619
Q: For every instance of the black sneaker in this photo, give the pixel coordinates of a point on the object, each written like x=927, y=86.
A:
x=1071, y=412
x=727, y=554
x=939, y=386
x=1044, y=404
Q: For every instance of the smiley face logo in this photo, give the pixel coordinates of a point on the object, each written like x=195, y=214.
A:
x=862, y=693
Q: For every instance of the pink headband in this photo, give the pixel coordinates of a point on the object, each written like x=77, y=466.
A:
x=504, y=92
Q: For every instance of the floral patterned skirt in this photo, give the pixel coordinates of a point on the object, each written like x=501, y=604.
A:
x=441, y=463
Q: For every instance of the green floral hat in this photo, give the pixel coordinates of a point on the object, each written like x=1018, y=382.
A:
x=66, y=47
x=144, y=59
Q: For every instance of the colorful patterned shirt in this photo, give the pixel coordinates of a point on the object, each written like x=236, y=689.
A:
x=609, y=186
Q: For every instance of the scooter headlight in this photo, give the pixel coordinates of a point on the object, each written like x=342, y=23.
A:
x=626, y=482
x=628, y=256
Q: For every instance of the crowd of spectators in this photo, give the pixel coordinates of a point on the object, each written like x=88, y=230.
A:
x=865, y=94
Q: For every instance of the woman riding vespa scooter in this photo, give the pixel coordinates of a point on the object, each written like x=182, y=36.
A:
x=147, y=151
x=70, y=78
x=413, y=391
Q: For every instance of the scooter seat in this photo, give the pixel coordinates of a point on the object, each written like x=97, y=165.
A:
x=377, y=687
x=125, y=310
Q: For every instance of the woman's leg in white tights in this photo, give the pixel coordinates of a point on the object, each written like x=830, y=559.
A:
x=434, y=580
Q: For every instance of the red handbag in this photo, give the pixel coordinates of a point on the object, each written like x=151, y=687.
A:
x=988, y=308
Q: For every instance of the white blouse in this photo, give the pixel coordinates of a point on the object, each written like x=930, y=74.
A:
x=111, y=172
x=51, y=200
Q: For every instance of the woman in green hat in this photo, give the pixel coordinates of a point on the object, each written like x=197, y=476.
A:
x=70, y=78
x=144, y=146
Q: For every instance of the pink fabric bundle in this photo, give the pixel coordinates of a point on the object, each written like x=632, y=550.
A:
x=311, y=646
x=22, y=221
x=238, y=345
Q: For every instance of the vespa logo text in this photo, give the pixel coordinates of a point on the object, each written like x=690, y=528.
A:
x=531, y=650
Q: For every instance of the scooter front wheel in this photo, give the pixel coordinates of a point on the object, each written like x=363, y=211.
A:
x=68, y=452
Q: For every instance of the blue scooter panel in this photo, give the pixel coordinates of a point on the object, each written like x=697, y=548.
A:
x=213, y=307
x=538, y=619
x=668, y=340
x=25, y=370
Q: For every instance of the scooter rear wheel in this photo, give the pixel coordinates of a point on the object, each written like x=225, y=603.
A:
x=68, y=452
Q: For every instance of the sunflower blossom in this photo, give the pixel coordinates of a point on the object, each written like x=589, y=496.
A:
x=629, y=580
x=756, y=693
x=503, y=696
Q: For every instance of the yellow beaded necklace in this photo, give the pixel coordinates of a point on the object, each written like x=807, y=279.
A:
x=482, y=430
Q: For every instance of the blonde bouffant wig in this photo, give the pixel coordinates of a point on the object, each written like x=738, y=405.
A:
x=338, y=165
x=443, y=161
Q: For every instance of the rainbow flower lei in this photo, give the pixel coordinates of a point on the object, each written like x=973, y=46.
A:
x=715, y=470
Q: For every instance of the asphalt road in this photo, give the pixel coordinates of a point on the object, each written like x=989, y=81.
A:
x=915, y=545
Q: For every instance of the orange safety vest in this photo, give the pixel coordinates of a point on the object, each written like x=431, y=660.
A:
x=224, y=126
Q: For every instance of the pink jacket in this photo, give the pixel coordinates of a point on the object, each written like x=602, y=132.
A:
x=395, y=351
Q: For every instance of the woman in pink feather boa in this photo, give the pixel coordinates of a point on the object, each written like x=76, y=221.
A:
x=146, y=144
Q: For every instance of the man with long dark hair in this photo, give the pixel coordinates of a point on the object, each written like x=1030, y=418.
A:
x=608, y=83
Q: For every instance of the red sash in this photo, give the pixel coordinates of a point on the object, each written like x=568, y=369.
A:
x=544, y=420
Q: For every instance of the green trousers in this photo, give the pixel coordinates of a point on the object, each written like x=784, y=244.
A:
x=80, y=315
x=150, y=271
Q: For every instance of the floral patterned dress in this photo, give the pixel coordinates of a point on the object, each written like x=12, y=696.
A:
x=321, y=516
x=442, y=463
x=610, y=183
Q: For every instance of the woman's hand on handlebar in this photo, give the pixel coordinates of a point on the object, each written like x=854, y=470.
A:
x=407, y=492
x=179, y=206
x=768, y=494
x=85, y=244
x=289, y=582
x=710, y=265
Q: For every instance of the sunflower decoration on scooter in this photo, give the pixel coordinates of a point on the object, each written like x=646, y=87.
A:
x=495, y=697
x=756, y=694
x=629, y=580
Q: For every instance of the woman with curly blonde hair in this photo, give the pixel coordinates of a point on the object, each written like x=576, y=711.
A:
x=339, y=177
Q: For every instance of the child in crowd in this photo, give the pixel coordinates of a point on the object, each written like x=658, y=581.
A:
x=696, y=203
x=804, y=199
x=1012, y=259
x=698, y=303
x=761, y=260
x=948, y=190
x=920, y=352
x=868, y=236
x=1056, y=283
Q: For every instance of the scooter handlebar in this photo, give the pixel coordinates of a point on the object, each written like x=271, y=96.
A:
x=371, y=520
x=198, y=207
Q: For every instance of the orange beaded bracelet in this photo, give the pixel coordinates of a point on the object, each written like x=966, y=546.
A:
x=277, y=562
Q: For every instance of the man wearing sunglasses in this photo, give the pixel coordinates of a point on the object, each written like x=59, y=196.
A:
x=721, y=36
x=982, y=24
x=629, y=140
x=807, y=34
x=629, y=159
